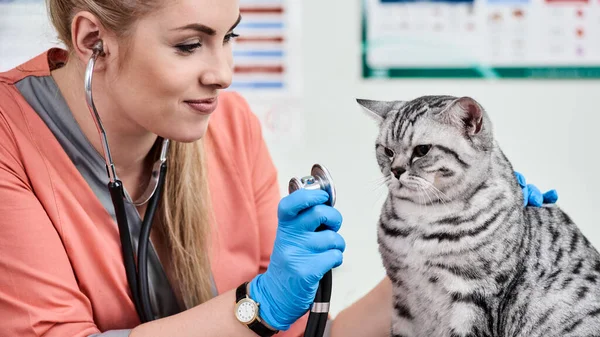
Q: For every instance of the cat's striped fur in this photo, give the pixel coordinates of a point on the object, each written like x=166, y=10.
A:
x=464, y=256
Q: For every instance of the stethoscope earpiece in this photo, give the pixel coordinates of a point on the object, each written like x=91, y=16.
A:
x=98, y=48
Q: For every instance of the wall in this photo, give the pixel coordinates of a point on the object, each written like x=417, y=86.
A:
x=547, y=129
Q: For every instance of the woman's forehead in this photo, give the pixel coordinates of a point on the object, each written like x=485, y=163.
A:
x=218, y=15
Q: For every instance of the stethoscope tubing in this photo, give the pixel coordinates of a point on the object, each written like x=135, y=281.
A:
x=144, y=241
x=317, y=318
x=116, y=194
x=137, y=274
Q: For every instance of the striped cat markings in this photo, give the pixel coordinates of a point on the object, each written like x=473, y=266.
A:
x=464, y=256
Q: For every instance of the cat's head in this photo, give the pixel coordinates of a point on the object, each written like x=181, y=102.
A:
x=432, y=148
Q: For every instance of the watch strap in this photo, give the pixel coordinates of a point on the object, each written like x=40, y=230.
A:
x=241, y=292
x=257, y=325
x=260, y=329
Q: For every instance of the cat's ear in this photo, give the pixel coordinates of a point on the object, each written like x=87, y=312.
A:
x=466, y=113
x=377, y=109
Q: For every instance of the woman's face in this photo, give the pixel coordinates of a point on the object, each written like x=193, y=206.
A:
x=177, y=61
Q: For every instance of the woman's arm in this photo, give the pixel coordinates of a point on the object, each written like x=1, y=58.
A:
x=370, y=316
x=212, y=318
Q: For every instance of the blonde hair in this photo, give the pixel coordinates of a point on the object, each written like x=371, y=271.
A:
x=184, y=211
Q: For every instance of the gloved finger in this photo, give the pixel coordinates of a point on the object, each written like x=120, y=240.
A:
x=535, y=197
x=325, y=240
x=550, y=197
x=318, y=215
x=299, y=200
x=520, y=179
x=323, y=262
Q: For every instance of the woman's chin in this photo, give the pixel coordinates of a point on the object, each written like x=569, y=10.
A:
x=186, y=133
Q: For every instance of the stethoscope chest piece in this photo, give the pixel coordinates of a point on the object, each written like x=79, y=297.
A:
x=319, y=178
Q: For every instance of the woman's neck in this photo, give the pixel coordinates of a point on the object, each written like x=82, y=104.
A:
x=130, y=144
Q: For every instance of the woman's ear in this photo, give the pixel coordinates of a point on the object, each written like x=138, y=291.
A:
x=86, y=31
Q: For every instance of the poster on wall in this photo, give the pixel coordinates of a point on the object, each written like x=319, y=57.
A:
x=481, y=39
x=262, y=53
x=268, y=68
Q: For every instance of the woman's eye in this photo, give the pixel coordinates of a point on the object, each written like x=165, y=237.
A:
x=230, y=37
x=421, y=150
x=188, y=48
x=388, y=152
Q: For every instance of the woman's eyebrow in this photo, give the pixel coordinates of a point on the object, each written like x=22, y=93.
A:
x=205, y=29
x=237, y=22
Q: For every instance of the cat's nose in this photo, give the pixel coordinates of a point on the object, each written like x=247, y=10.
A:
x=397, y=171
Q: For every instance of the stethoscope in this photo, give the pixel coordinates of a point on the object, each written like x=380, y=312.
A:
x=319, y=178
x=137, y=274
x=137, y=277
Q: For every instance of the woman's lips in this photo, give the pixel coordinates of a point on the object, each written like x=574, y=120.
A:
x=204, y=106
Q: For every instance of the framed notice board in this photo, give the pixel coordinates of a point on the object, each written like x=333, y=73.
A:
x=481, y=38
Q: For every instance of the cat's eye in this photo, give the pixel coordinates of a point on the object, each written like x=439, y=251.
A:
x=421, y=150
x=388, y=152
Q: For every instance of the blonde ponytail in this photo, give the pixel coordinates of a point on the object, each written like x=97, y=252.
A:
x=186, y=220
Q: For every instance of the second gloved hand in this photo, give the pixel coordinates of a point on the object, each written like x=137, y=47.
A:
x=300, y=257
x=532, y=196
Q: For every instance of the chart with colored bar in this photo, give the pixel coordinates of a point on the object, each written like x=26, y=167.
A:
x=481, y=39
x=262, y=57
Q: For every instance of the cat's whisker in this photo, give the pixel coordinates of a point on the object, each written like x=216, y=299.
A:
x=436, y=192
x=421, y=198
x=420, y=184
x=380, y=188
x=381, y=195
x=439, y=195
x=379, y=182
x=445, y=197
x=379, y=179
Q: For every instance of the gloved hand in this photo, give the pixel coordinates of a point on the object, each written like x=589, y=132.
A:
x=300, y=257
x=532, y=195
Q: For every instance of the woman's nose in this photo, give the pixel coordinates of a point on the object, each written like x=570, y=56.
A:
x=219, y=71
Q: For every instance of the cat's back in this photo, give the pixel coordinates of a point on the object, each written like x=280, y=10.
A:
x=559, y=287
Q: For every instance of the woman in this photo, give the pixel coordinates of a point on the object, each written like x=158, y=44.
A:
x=162, y=67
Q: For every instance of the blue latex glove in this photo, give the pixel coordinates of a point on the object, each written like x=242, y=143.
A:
x=300, y=257
x=532, y=195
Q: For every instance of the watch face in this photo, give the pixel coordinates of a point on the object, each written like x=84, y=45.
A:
x=246, y=311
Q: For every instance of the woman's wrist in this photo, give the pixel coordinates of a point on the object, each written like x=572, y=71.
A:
x=265, y=307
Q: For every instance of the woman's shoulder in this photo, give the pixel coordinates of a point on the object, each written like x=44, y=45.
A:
x=22, y=133
x=10, y=114
x=14, y=110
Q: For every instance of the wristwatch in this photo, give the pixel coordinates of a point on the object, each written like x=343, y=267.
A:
x=246, y=312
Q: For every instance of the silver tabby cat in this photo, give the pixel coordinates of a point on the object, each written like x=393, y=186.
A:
x=464, y=256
